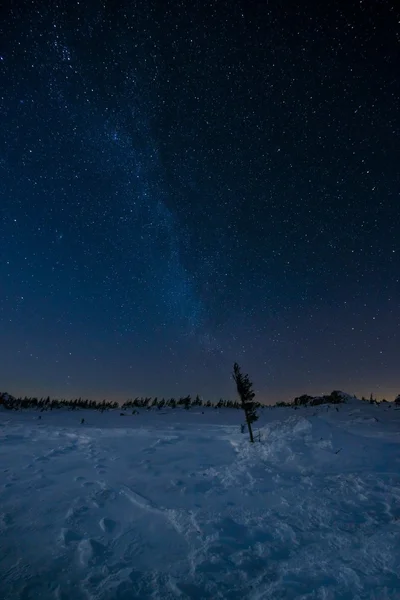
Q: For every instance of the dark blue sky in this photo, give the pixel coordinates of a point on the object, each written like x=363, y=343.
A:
x=184, y=185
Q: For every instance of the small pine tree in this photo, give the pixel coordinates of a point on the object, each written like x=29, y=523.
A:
x=245, y=390
x=186, y=401
x=198, y=401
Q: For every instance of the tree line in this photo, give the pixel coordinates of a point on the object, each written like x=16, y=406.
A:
x=186, y=402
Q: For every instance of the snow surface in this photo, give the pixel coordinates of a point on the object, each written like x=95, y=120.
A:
x=178, y=504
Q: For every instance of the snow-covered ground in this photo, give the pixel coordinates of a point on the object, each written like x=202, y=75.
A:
x=178, y=504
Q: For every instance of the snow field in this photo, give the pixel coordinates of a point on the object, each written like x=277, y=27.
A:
x=178, y=504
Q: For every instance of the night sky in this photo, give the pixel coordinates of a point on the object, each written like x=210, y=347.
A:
x=188, y=184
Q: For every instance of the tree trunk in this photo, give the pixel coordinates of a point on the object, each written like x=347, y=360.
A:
x=250, y=429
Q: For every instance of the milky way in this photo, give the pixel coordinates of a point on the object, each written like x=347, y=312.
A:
x=184, y=186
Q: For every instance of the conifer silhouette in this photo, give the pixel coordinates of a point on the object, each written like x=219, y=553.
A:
x=245, y=390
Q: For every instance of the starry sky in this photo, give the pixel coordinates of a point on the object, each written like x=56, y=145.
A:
x=188, y=184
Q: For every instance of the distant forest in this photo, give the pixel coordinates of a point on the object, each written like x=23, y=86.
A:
x=149, y=403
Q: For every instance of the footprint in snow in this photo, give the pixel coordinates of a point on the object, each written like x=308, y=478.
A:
x=91, y=552
x=107, y=525
x=100, y=468
x=84, y=482
x=69, y=536
x=41, y=459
